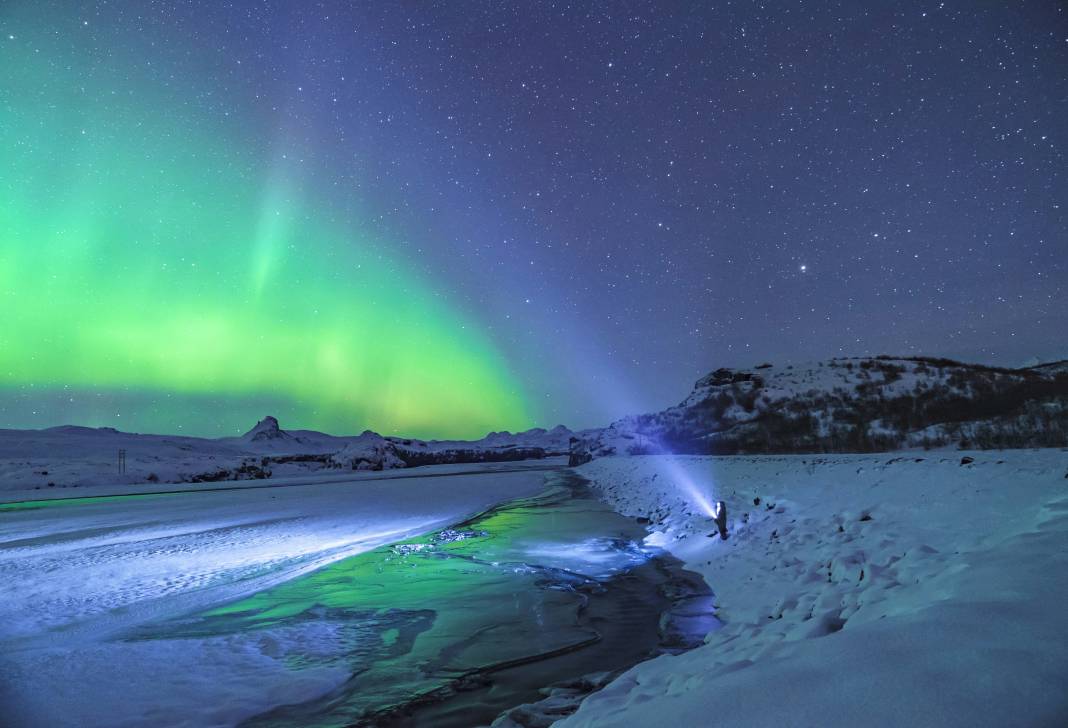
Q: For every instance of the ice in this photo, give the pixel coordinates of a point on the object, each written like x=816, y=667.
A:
x=81, y=577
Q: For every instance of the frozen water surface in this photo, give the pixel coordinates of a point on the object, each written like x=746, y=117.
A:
x=80, y=575
x=319, y=604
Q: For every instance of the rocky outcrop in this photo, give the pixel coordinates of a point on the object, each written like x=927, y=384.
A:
x=578, y=452
x=416, y=456
x=853, y=405
x=267, y=430
x=369, y=451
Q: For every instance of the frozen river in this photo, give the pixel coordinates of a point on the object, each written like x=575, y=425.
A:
x=284, y=606
x=79, y=574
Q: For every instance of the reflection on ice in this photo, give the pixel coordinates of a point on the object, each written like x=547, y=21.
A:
x=513, y=594
x=513, y=600
x=449, y=535
x=599, y=557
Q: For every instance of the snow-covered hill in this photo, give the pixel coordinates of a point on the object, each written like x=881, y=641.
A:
x=854, y=405
x=841, y=405
x=70, y=456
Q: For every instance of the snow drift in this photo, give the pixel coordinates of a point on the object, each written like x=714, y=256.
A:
x=858, y=590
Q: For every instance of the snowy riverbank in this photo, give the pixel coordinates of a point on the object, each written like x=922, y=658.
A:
x=880, y=589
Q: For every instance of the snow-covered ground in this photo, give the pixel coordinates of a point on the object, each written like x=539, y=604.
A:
x=893, y=589
x=60, y=459
x=320, y=477
x=862, y=589
x=78, y=576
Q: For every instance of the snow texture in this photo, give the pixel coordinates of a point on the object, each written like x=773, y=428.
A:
x=859, y=590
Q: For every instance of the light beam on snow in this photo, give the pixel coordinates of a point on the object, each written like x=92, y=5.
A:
x=694, y=492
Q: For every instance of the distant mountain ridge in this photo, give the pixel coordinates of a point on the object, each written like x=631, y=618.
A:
x=72, y=456
x=862, y=404
x=372, y=451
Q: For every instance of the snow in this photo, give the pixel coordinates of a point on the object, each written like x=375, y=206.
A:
x=80, y=576
x=846, y=405
x=888, y=589
x=863, y=590
x=369, y=450
x=68, y=457
x=82, y=456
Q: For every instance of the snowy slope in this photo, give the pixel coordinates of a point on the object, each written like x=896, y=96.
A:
x=79, y=456
x=862, y=590
x=1052, y=368
x=853, y=405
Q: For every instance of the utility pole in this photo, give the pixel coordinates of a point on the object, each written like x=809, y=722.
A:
x=122, y=461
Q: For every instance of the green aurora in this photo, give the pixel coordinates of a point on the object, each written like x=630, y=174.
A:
x=147, y=248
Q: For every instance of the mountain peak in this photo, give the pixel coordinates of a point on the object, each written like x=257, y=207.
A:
x=266, y=429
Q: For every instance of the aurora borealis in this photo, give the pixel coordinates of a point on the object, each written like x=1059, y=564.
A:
x=438, y=219
x=150, y=256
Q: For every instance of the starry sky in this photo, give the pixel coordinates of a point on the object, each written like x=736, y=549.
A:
x=442, y=218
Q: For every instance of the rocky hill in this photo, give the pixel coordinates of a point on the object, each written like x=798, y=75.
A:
x=371, y=451
x=852, y=405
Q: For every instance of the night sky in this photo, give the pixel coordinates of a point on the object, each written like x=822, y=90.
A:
x=445, y=218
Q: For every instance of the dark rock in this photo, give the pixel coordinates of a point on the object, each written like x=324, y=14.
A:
x=266, y=430
x=966, y=460
x=575, y=459
x=579, y=453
